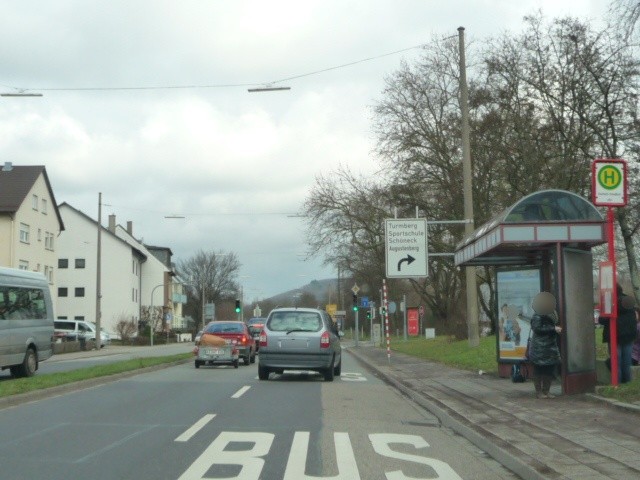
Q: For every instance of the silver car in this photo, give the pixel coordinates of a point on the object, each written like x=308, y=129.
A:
x=299, y=339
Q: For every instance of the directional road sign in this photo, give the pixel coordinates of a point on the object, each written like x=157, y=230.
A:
x=364, y=302
x=406, y=247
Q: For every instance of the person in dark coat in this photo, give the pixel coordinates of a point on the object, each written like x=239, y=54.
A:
x=604, y=321
x=626, y=332
x=543, y=352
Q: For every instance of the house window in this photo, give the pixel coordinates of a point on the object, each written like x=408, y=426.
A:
x=79, y=317
x=63, y=263
x=79, y=262
x=63, y=292
x=62, y=317
x=48, y=241
x=44, y=206
x=24, y=233
x=23, y=265
x=39, y=234
x=79, y=291
x=50, y=277
x=46, y=271
x=34, y=202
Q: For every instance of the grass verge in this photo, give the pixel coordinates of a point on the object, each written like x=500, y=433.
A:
x=450, y=351
x=39, y=382
x=626, y=392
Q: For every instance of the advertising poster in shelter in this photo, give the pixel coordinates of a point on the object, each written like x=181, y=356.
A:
x=515, y=292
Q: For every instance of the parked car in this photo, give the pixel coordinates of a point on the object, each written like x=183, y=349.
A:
x=255, y=325
x=79, y=329
x=299, y=339
x=238, y=333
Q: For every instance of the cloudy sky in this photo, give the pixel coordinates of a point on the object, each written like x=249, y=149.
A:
x=235, y=164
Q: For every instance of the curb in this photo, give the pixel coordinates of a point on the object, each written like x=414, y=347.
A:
x=627, y=407
x=480, y=438
x=22, y=398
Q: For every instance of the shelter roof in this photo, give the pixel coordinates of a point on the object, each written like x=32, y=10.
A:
x=522, y=233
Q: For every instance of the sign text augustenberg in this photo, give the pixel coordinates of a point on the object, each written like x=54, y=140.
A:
x=406, y=247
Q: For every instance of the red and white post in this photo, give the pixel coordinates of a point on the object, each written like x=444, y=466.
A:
x=385, y=305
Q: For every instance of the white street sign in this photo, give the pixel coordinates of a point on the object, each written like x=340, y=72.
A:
x=355, y=289
x=609, y=182
x=406, y=247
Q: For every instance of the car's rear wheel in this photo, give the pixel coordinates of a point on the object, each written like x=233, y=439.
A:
x=338, y=369
x=263, y=373
x=28, y=366
x=328, y=373
x=253, y=358
x=236, y=363
x=247, y=359
x=197, y=363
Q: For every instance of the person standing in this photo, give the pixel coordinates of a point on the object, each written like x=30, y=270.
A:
x=544, y=353
x=627, y=330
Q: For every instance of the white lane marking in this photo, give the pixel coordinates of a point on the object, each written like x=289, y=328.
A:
x=345, y=458
x=114, y=444
x=240, y=392
x=352, y=377
x=186, y=436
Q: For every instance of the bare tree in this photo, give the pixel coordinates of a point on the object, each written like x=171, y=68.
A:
x=212, y=274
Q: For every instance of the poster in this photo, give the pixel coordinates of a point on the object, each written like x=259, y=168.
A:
x=515, y=292
x=412, y=321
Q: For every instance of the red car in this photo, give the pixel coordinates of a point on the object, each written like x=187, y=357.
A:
x=237, y=334
x=255, y=325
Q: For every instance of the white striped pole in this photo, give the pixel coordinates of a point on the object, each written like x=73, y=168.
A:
x=386, y=317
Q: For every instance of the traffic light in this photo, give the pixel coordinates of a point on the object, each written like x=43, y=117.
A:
x=355, y=302
x=369, y=315
x=238, y=307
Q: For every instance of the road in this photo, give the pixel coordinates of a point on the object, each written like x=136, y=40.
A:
x=220, y=422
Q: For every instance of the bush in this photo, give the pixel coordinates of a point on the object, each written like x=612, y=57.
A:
x=126, y=329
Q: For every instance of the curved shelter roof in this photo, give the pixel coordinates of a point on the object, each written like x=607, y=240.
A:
x=531, y=226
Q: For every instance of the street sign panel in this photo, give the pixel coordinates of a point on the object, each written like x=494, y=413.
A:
x=364, y=302
x=406, y=247
x=355, y=289
x=609, y=182
x=209, y=311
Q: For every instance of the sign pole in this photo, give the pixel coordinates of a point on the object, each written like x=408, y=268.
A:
x=385, y=306
x=613, y=319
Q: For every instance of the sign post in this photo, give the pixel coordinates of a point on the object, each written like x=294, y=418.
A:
x=609, y=189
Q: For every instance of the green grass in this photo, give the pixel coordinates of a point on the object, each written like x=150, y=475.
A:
x=38, y=382
x=449, y=351
x=627, y=392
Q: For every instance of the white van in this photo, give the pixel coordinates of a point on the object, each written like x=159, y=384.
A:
x=77, y=329
x=26, y=321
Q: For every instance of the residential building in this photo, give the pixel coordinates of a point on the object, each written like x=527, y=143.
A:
x=120, y=279
x=30, y=221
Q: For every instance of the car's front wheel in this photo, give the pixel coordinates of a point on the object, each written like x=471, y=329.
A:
x=263, y=373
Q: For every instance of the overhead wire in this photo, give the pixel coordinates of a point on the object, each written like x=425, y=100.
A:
x=212, y=86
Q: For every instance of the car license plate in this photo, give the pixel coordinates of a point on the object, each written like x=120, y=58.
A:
x=212, y=351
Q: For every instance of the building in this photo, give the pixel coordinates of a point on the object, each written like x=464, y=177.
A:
x=30, y=221
x=121, y=273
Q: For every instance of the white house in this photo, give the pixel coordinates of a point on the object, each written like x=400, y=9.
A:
x=120, y=279
x=29, y=220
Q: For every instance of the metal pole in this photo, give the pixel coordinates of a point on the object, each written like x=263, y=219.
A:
x=385, y=305
x=98, y=275
x=470, y=272
x=357, y=328
x=613, y=319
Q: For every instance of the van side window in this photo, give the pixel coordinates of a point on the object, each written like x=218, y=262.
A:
x=21, y=303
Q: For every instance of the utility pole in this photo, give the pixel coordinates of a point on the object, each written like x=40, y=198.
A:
x=98, y=275
x=470, y=272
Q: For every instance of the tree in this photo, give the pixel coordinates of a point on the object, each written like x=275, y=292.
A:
x=212, y=274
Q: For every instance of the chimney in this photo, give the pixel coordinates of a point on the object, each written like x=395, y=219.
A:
x=130, y=227
x=112, y=223
x=8, y=166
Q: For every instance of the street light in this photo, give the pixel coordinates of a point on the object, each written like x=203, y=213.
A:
x=151, y=312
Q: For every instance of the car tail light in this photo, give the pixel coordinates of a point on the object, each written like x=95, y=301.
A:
x=324, y=340
x=263, y=338
x=243, y=339
x=196, y=350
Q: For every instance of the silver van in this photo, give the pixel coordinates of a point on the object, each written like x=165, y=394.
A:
x=26, y=321
x=299, y=339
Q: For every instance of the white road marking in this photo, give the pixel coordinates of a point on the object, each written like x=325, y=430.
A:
x=240, y=392
x=186, y=436
x=345, y=458
x=352, y=377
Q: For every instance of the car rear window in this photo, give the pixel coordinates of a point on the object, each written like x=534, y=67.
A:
x=292, y=321
x=224, y=327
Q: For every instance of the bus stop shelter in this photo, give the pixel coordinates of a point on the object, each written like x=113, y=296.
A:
x=553, y=231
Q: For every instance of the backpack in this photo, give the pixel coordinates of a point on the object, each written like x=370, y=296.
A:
x=517, y=373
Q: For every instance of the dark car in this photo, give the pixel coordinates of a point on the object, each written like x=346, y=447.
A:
x=299, y=339
x=238, y=333
x=255, y=325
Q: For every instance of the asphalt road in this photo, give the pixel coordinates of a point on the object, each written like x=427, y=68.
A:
x=221, y=422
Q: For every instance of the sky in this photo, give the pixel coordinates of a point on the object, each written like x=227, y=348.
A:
x=236, y=165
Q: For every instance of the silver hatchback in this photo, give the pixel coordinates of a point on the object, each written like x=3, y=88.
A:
x=299, y=339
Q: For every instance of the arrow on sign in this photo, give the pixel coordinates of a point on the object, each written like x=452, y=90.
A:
x=409, y=259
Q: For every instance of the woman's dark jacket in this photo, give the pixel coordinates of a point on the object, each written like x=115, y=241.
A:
x=544, y=341
x=622, y=313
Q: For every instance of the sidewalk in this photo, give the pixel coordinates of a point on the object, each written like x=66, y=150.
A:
x=569, y=437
